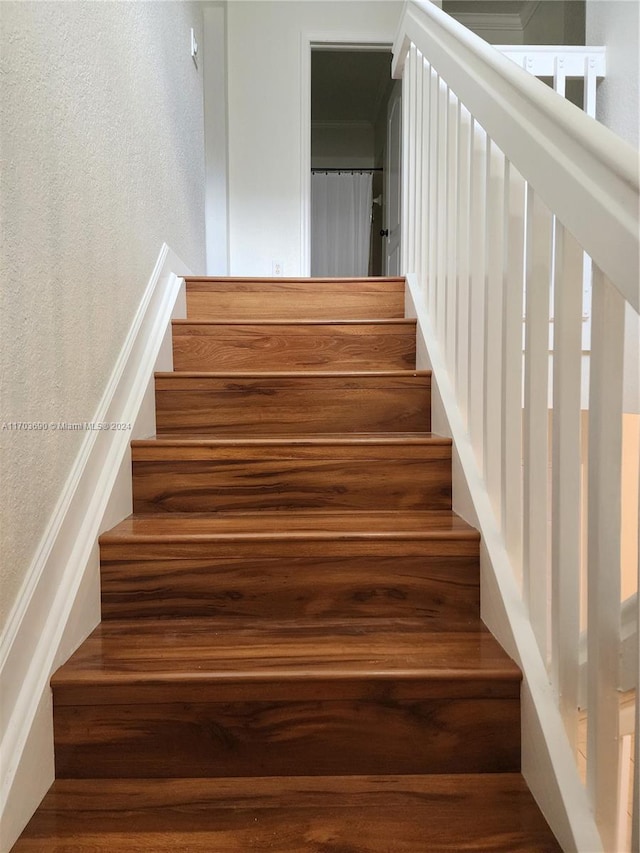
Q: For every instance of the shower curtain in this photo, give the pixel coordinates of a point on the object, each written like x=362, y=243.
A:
x=340, y=223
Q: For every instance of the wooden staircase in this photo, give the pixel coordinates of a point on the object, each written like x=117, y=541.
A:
x=291, y=656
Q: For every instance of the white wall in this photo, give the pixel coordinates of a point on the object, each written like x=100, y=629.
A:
x=214, y=66
x=101, y=135
x=616, y=24
x=546, y=25
x=265, y=63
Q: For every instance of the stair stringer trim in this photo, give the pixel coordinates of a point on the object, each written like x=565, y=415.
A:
x=59, y=603
x=548, y=764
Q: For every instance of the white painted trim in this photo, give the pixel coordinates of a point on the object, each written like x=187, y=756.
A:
x=58, y=604
x=495, y=21
x=540, y=59
x=528, y=11
x=547, y=759
x=482, y=22
x=319, y=41
x=305, y=154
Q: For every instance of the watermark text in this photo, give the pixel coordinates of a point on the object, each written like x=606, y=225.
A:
x=64, y=426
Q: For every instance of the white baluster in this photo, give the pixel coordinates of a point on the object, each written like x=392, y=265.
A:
x=566, y=477
x=559, y=76
x=605, y=465
x=494, y=286
x=590, y=81
x=425, y=73
x=433, y=192
x=419, y=175
x=476, y=296
x=411, y=201
x=463, y=250
x=536, y=416
x=417, y=144
x=512, y=342
x=441, y=255
x=406, y=178
x=451, y=242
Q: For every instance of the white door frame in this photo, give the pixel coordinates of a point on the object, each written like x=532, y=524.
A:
x=393, y=234
x=321, y=41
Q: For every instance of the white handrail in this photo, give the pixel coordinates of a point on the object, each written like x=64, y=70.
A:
x=506, y=186
x=587, y=175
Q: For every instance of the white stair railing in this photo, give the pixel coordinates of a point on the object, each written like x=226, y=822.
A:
x=561, y=63
x=506, y=186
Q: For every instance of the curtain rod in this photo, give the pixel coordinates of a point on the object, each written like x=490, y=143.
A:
x=376, y=169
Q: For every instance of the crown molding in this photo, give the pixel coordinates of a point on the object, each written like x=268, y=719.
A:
x=528, y=11
x=501, y=21
x=489, y=21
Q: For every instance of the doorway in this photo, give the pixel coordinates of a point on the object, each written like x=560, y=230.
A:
x=351, y=92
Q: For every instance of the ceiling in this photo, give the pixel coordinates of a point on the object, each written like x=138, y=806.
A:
x=348, y=85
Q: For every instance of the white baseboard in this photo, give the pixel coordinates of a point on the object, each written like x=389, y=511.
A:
x=59, y=603
x=547, y=761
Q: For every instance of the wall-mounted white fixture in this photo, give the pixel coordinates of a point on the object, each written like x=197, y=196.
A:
x=194, y=47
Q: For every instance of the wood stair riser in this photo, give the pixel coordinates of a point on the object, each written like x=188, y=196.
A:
x=254, y=405
x=387, y=345
x=219, y=479
x=287, y=737
x=246, y=299
x=441, y=589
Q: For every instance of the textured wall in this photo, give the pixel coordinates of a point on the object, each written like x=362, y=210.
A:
x=616, y=24
x=101, y=138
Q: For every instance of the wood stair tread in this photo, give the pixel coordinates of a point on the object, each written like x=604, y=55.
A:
x=293, y=324
x=298, y=440
x=292, y=374
x=184, y=651
x=492, y=813
x=436, y=524
x=310, y=280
